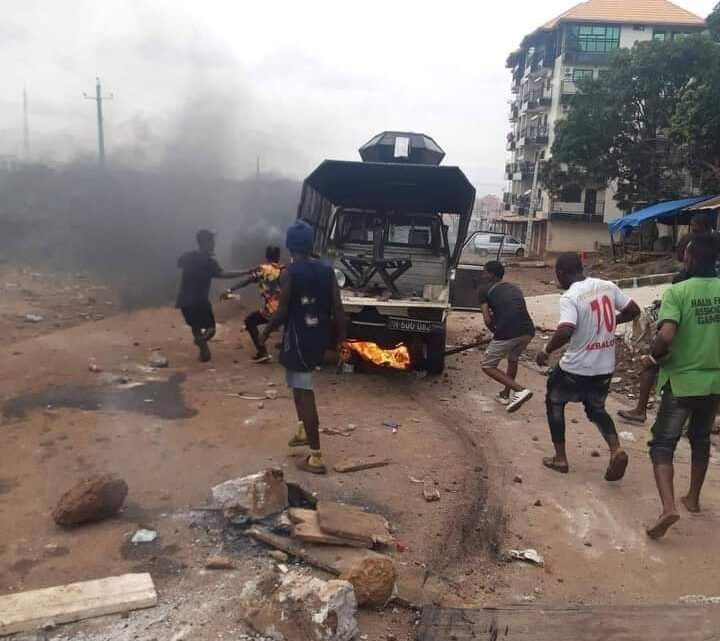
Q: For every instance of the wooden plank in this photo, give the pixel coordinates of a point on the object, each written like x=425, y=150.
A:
x=308, y=529
x=330, y=558
x=601, y=623
x=351, y=522
x=75, y=601
x=355, y=465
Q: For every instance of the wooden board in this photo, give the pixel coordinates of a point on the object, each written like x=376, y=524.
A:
x=308, y=529
x=355, y=465
x=351, y=522
x=534, y=623
x=333, y=559
x=75, y=601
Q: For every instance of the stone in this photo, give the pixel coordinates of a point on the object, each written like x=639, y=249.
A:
x=92, y=499
x=595, y=454
x=373, y=581
x=94, y=367
x=258, y=495
x=278, y=555
x=219, y=562
x=538, y=503
x=143, y=536
x=296, y=606
x=517, y=479
x=158, y=359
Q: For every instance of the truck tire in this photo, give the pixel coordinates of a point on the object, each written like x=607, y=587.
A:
x=435, y=346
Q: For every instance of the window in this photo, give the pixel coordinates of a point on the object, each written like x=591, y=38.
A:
x=582, y=74
x=496, y=239
x=593, y=38
x=659, y=36
x=680, y=36
x=571, y=194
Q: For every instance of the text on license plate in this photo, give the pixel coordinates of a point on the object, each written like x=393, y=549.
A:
x=411, y=325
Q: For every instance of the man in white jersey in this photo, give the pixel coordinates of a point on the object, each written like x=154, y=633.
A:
x=588, y=316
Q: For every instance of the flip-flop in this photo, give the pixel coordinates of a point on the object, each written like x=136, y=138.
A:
x=304, y=465
x=616, y=469
x=552, y=465
x=659, y=530
x=298, y=442
x=632, y=419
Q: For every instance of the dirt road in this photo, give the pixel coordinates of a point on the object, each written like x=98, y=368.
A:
x=174, y=433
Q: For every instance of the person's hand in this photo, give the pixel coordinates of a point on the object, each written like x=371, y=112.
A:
x=542, y=358
x=648, y=362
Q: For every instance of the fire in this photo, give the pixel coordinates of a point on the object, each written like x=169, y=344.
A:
x=397, y=357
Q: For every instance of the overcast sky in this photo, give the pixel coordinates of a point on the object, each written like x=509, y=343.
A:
x=291, y=82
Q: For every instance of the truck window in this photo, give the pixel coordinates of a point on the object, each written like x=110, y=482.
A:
x=496, y=239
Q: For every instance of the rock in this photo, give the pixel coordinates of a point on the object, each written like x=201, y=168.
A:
x=430, y=492
x=536, y=438
x=33, y=318
x=94, y=367
x=373, y=580
x=143, y=536
x=295, y=606
x=158, y=359
x=257, y=495
x=517, y=479
x=538, y=503
x=279, y=556
x=219, y=562
x=595, y=454
x=93, y=499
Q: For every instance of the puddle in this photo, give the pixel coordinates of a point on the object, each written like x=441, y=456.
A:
x=163, y=399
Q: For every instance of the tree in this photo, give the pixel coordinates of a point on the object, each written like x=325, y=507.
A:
x=713, y=23
x=619, y=126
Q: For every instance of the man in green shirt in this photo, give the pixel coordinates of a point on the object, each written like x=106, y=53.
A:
x=687, y=347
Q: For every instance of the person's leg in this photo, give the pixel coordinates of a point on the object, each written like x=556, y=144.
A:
x=252, y=322
x=638, y=414
x=304, y=397
x=555, y=401
x=701, y=423
x=512, y=370
x=594, y=396
x=666, y=433
x=497, y=351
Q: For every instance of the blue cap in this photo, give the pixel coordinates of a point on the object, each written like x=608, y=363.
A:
x=300, y=238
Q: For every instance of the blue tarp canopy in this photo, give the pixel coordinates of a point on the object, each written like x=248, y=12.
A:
x=663, y=212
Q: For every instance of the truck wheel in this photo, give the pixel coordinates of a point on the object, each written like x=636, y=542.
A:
x=435, y=346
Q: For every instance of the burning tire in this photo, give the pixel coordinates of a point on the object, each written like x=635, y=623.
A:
x=435, y=352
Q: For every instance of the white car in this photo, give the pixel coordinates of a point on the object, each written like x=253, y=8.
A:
x=494, y=244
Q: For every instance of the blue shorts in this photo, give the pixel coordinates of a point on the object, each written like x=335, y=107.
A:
x=299, y=380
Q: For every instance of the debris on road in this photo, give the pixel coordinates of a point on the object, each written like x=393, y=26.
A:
x=351, y=522
x=517, y=479
x=92, y=499
x=529, y=556
x=595, y=454
x=279, y=556
x=94, y=367
x=159, y=360
x=356, y=465
x=699, y=599
x=430, y=492
x=306, y=528
x=373, y=581
x=296, y=605
x=31, y=610
x=33, y=318
x=258, y=495
x=338, y=431
x=143, y=536
x=219, y=562
x=627, y=436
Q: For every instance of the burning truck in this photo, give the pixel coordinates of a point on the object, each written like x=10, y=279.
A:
x=394, y=226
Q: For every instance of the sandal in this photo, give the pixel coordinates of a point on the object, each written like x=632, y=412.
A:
x=552, y=465
x=304, y=465
x=298, y=442
x=616, y=468
x=627, y=416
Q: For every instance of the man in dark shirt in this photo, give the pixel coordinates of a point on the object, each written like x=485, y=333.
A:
x=199, y=267
x=506, y=315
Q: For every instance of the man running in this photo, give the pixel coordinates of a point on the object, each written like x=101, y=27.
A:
x=506, y=315
x=587, y=325
x=199, y=267
x=267, y=277
x=687, y=349
x=310, y=308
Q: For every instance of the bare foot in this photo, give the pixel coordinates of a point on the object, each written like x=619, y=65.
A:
x=690, y=506
x=556, y=466
x=664, y=523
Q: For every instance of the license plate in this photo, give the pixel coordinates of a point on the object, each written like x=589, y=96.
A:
x=411, y=325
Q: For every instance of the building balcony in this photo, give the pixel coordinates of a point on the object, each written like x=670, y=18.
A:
x=582, y=212
x=592, y=59
x=534, y=136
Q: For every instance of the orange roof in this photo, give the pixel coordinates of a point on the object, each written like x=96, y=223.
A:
x=628, y=11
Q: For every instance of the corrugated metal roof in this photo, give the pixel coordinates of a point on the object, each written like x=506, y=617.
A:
x=658, y=12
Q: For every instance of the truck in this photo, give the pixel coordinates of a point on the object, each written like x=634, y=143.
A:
x=393, y=225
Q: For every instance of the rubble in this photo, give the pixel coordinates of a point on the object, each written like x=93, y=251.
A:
x=92, y=499
x=258, y=495
x=356, y=465
x=33, y=318
x=279, y=556
x=373, y=581
x=219, y=562
x=298, y=606
x=529, y=556
x=143, y=536
x=158, y=359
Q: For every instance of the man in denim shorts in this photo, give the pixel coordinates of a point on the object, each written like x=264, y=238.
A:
x=687, y=346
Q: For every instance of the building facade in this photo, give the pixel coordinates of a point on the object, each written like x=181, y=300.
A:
x=545, y=70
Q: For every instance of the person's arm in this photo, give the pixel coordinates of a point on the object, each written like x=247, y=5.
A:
x=629, y=309
x=563, y=333
x=233, y=274
x=669, y=318
x=339, y=314
x=488, y=316
x=280, y=316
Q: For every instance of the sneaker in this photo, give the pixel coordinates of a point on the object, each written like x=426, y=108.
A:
x=205, y=353
x=261, y=358
x=503, y=400
x=518, y=399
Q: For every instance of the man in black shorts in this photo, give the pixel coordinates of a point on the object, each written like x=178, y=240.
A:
x=506, y=315
x=199, y=267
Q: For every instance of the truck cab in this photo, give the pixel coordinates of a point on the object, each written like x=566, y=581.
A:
x=385, y=224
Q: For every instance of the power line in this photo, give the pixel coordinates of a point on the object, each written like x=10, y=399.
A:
x=98, y=98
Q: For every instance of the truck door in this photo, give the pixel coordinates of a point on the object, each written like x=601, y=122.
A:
x=465, y=288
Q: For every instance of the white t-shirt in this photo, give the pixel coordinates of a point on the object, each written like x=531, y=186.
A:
x=589, y=306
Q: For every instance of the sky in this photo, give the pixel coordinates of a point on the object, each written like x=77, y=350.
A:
x=221, y=84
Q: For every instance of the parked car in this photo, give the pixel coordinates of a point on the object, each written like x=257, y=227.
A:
x=494, y=244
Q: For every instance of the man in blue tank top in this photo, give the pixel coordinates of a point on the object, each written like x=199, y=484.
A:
x=311, y=310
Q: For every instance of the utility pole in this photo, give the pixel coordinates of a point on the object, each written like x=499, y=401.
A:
x=98, y=98
x=26, y=127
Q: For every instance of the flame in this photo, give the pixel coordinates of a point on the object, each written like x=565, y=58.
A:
x=396, y=358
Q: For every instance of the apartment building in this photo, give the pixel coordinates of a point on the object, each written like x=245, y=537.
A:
x=545, y=70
